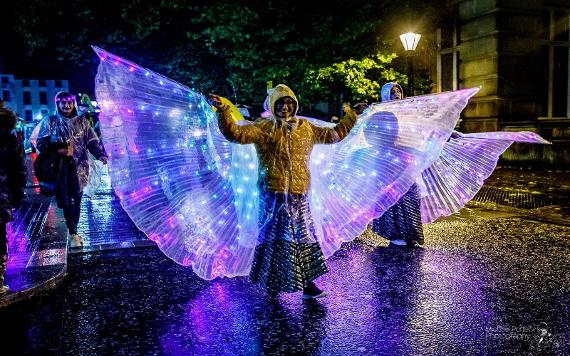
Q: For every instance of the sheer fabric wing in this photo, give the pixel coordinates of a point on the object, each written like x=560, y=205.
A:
x=461, y=169
x=360, y=177
x=173, y=171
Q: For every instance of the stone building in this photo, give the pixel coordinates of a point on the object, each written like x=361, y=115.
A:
x=30, y=99
x=517, y=51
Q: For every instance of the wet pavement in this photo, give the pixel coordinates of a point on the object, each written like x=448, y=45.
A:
x=37, y=238
x=37, y=258
x=528, y=189
x=105, y=225
x=485, y=283
x=492, y=279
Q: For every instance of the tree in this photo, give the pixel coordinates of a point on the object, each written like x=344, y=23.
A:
x=362, y=78
x=232, y=47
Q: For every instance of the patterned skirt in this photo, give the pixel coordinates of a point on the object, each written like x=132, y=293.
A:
x=287, y=255
x=403, y=221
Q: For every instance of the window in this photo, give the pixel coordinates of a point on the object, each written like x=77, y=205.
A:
x=44, y=112
x=57, y=83
x=446, y=75
x=560, y=82
x=560, y=25
x=447, y=34
x=27, y=98
x=43, y=98
x=29, y=115
x=25, y=83
x=448, y=58
x=555, y=56
x=42, y=83
x=6, y=95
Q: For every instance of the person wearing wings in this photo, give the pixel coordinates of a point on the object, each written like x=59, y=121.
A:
x=288, y=256
x=445, y=186
x=273, y=199
x=402, y=223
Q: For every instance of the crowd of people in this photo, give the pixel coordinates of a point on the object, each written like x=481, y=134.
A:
x=288, y=256
x=64, y=141
x=66, y=138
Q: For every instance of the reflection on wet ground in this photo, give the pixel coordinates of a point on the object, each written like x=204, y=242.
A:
x=37, y=255
x=482, y=285
x=491, y=279
x=105, y=225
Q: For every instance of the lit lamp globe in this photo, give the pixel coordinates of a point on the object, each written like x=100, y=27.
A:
x=410, y=40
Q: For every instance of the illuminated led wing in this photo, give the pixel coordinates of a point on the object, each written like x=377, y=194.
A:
x=461, y=169
x=358, y=179
x=178, y=178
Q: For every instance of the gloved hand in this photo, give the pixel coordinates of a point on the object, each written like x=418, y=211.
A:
x=360, y=107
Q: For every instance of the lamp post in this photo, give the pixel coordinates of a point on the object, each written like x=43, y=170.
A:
x=410, y=41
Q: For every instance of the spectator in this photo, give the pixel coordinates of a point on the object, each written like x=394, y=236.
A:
x=71, y=137
x=12, y=182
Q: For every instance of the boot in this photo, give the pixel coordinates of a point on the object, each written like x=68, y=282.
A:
x=75, y=240
x=311, y=291
x=3, y=263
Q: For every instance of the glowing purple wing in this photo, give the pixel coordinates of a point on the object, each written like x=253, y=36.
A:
x=356, y=180
x=173, y=170
x=460, y=171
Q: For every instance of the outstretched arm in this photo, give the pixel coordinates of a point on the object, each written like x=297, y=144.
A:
x=340, y=131
x=232, y=131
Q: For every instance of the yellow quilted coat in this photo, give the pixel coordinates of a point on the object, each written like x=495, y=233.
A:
x=284, y=147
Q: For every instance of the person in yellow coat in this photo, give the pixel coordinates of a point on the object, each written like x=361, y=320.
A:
x=288, y=257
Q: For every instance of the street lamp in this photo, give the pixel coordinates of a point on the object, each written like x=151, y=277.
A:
x=410, y=41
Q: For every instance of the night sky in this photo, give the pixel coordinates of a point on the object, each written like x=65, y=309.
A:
x=43, y=64
x=64, y=15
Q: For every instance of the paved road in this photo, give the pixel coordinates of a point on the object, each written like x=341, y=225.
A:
x=489, y=281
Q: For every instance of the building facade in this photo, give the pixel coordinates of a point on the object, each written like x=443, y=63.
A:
x=31, y=99
x=517, y=52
